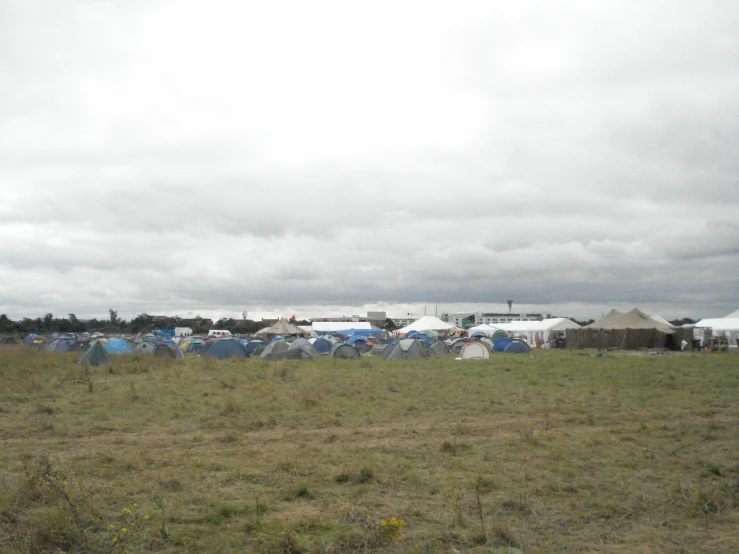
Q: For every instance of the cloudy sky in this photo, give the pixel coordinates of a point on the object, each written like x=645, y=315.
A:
x=326, y=157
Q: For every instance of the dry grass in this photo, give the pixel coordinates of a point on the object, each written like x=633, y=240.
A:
x=568, y=451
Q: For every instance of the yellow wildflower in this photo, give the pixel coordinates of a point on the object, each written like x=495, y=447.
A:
x=146, y=516
x=123, y=529
x=111, y=526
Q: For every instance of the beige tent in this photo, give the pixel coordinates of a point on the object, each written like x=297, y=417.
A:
x=282, y=327
x=635, y=319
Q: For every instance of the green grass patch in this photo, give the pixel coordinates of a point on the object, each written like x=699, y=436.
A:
x=558, y=451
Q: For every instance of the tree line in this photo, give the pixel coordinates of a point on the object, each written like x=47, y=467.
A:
x=142, y=323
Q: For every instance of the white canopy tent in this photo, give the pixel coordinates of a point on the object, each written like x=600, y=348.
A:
x=733, y=315
x=531, y=330
x=426, y=323
x=720, y=327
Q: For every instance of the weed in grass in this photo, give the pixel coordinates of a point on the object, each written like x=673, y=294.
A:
x=303, y=492
x=46, y=410
x=365, y=475
x=485, y=484
x=230, y=407
x=290, y=544
x=41, y=514
x=393, y=528
x=221, y=514
x=506, y=535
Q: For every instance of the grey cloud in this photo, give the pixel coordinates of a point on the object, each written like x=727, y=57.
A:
x=569, y=155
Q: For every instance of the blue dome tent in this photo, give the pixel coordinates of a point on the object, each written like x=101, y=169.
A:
x=501, y=345
x=118, y=346
x=517, y=347
x=323, y=346
x=57, y=345
x=354, y=339
x=222, y=349
x=252, y=345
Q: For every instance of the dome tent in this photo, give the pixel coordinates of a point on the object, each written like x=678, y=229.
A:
x=96, y=355
x=79, y=346
x=517, y=347
x=457, y=345
x=57, y=345
x=275, y=348
x=222, y=349
x=168, y=350
x=420, y=336
x=405, y=349
x=305, y=347
x=501, y=345
x=345, y=351
x=300, y=349
x=440, y=348
x=323, y=346
x=253, y=345
x=357, y=341
x=144, y=347
x=474, y=351
x=488, y=343
x=118, y=346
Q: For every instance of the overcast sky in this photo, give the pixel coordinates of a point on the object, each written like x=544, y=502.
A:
x=326, y=157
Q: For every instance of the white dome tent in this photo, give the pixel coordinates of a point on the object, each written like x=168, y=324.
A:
x=474, y=351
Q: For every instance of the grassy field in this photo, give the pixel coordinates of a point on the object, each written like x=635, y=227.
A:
x=554, y=452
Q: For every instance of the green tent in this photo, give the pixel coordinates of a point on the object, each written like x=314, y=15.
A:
x=96, y=355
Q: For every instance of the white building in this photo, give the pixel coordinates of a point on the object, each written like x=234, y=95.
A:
x=338, y=326
x=404, y=321
x=487, y=318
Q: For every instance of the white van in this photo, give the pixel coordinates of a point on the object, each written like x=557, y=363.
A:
x=218, y=334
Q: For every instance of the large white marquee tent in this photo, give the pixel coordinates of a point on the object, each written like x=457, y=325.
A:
x=531, y=330
x=426, y=323
x=720, y=327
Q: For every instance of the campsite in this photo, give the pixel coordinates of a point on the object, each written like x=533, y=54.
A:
x=553, y=450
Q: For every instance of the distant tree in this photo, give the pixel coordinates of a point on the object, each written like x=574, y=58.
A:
x=95, y=324
x=683, y=321
x=389, y=325
x=6, y=324
x=142, y=323
x=48, y=321
x=76, y=325
x=583, y=323
x=27, y=325
x=114, y=321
